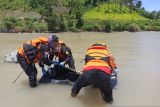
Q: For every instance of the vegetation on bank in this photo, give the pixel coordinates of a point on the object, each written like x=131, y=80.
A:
x=73, y=15
x=102, y=18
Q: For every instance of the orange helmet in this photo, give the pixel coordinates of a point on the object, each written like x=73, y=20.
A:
x=61, y=42
x=100, y=44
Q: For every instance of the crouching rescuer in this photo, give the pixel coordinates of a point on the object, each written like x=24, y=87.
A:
x=33, y=51
x=99, y=64
x=63, y=52
x=60, y=72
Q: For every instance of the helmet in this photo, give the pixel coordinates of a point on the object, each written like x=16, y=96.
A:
x=61, y=42
x=51, y=39
x=99, y=44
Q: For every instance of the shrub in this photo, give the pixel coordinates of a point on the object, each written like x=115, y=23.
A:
x=134, y=27
x=40, y=26
x=9, y=23
x=108, y=27
x=92, y=27
x=73, y=29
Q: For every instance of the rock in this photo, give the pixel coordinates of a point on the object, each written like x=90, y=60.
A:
x=11, y=57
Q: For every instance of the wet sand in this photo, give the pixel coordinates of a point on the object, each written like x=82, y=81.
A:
x=137, y=55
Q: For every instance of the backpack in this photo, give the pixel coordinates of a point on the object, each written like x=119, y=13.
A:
x=30, y=52
x=31, y=48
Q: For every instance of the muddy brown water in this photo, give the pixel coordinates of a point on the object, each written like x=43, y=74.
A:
x=138, y=59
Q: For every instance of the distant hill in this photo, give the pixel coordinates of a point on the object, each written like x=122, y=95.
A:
x=75, y=15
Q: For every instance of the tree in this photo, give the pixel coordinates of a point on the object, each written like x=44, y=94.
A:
x=121, y=5
x=153, y=15
x=126, y=2
x=108, y=4
x=94, y=2
x=47, y=10
x=75, y=14
x=158, y=15
x=139, y=4
x=131, y=5
x=62, y=24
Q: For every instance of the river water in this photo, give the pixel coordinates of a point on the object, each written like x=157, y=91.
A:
x=137, y=56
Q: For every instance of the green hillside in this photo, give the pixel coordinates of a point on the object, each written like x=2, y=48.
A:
x=76, y=15
x=101, y=12
x=89, y=15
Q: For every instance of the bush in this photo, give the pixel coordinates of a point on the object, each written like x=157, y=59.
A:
x=156, y=28
x=108, y=27
x=73, y=29
x=148, y=28
x=92, y=27
x=87, y=27
x=120, y=26
x=40, y=26
x=134, y=27
x=2, y=28
x=9, y=23
x=20, y=29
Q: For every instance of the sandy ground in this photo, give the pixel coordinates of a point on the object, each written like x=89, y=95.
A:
x=137, y=56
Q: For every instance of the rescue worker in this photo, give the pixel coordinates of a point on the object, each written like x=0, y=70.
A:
x=99, y=64
x=33, y=51
x=59, y=71
x=63, y=52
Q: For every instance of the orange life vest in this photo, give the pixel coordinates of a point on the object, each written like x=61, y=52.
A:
x=97, y=56
x=34, y=46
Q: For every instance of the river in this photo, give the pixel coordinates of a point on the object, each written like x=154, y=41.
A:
x=137, y=55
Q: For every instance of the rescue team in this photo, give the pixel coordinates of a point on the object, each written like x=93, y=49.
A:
x=98, y=71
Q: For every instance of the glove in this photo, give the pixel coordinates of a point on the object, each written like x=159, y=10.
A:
x=55, y=62
x=62, y=63
x=116, y=71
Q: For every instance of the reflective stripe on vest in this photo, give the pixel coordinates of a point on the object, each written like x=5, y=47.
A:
x=96, y=63
x=98, y=52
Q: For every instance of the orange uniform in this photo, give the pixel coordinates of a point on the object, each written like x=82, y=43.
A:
x=98, y=57
x=33, y=49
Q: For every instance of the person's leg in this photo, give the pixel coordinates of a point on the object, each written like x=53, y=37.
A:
x=104, y=83
x=29, y=69
x=45, y=78
x=87, y=78
x=107, y=95
x=72, y=76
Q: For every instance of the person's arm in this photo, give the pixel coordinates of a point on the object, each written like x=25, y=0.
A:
x=46, y=55
x=67, y=53
x=112, y=58
x=112, y=62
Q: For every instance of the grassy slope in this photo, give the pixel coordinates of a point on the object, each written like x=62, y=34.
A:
x=101, y=12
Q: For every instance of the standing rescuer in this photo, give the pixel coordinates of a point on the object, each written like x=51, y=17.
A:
x=33, y=51
x=99, y=64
